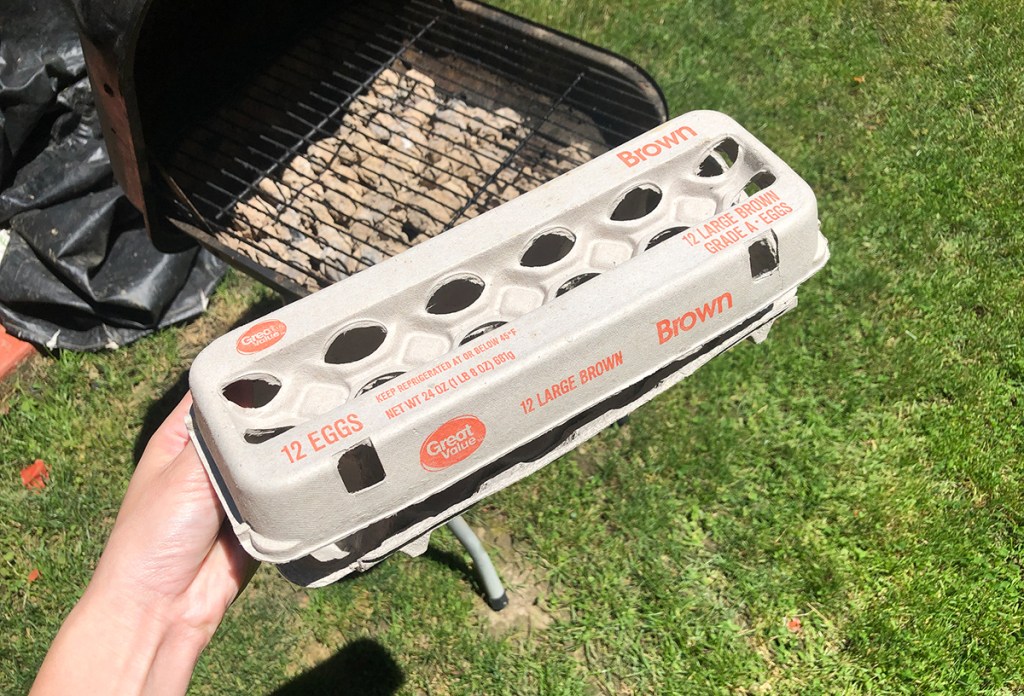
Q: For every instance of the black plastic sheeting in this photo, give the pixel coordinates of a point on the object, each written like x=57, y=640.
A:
x=79, y=272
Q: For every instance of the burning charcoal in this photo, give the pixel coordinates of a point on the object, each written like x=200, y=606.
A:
x=404, y=145
x=369, y=177
x=291, y=219
x=322, y=153
x=320, y=211
x=406, y=157
x=308, y=246
x=424, y=80
x=294, y=181
x=448, y=200
x=338, y=196
x=272, y=191
x=306, y=168
x=424, y=221
x=254, y=217
x=278, y=248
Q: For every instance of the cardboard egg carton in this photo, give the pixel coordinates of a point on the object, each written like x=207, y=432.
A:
x=350, y=424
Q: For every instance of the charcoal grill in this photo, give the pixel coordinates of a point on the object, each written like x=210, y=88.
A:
x=305, y=141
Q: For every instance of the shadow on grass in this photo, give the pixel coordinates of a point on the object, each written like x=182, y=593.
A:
x=363, y=667
x=457, y=564
x=162, y=407
x=157, y=413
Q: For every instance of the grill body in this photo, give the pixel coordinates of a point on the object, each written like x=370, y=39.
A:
x=305, y=141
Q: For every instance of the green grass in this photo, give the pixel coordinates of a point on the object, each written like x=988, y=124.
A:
x=861, y=470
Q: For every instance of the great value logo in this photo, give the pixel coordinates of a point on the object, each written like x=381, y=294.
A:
x=454, y=441
x=261, y=336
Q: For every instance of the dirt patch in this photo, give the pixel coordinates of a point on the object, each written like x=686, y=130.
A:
x=527, y=585
x=310, y=655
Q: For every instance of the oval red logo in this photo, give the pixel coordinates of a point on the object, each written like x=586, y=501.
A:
x=452, y=442
x=261, y=336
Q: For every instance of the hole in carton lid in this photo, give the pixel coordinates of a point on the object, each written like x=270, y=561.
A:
x=574, y=282
x=729, y=151
x=360, y=467
x=721, y=158
x=764, y=255
x=547, y=248
x=637, y=203
x=759, y=182
x=254, y=391
x=480, y=331
x=377, y=381
x=455, y=295
x=355, y=343
x=255, y=436
x=665, y=235
x=710, y=167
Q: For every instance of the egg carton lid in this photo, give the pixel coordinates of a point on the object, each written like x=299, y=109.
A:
x=351, y=423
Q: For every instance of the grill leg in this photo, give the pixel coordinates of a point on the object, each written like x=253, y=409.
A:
x=497, y=598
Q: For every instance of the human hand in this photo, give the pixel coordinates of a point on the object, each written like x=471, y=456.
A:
x=170, y=570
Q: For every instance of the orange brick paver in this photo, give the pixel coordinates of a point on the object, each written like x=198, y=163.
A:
x=13, y=352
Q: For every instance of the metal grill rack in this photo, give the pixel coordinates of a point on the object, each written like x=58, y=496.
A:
x=534, y=109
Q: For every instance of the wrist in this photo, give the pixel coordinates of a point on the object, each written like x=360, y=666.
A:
x=119, y=643
x=152, y=634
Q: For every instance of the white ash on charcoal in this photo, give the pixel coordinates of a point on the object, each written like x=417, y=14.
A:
x=409, y=158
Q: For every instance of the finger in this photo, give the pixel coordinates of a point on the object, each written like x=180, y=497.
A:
x=225, y=572
x=242, y=565
x=171, y=437
x=168, y=524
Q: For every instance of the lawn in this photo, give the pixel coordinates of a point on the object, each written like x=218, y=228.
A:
x=837, y=510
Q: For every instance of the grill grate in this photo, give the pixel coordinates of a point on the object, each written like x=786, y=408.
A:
x=384, y=126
